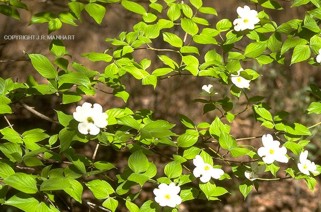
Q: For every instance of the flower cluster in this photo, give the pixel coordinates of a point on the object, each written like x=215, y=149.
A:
x=240, y=81
x=247, y=19
x=305, y=165
x=207, y=88
x=91, y=118
x=167, y=195
x=271, y=150
x=205, y=171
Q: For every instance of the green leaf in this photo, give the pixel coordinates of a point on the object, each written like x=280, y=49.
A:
x=262, y=112
x=95, y=56
x=23, y=202
x=11, y=135
x=96, y=11
x=245, y=189
x=22, y=182
x=150, y=80
x=223, y=25
x=173, y=169
x=186, y=121
x=100, y=188
x=189, y=194
x=43, y=66
x=157, y=129
x=54, y=184
x=208, y=10
x=5, y=170
x=138, y=178
x=300, y=53
x=138, y=162
x=132, y=207
x=187, y=10
x=255, y=49
x=188, y=139
x=172, y=39
x=67, y=18
x=129, y=121
x=76, y=8
x=211, y=191
x=191, y=63
x=227, y=141
x=111, y=204
x=197, y=3
x=75, y=190
x=189, y=26
x=9, y=11
x=74, y=78
x=314, y=108
x=297, y=3
x=54, y=24
x=57, y=48
x=174, y=12
x=133, y=7
x=191, y=152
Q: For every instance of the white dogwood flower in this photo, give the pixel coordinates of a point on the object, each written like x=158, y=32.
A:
x=240, y=81
x=247, y=19
x=318, y=58
x=207, y=88
x=205, y=171
x=91, y=118
x=167, y=195
x=305, y=165
x=271, y=150
x=250, y=175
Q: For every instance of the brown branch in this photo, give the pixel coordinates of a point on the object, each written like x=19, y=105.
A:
x=40, y=115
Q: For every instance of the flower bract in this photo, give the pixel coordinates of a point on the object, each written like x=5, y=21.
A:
x=91, y=118
x=271, y=150
x=167, y=195
x=205, y=171
x=240, y=81
x=247, y=19
x=207, y=88
x=305, y=165
x=318, y=58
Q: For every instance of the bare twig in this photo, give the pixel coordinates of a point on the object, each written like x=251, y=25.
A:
x=95, y=152
x=40, y=115
x=8, y=122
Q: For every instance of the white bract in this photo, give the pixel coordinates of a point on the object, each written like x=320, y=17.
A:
x=247, y=19
x=240, y=81
x=167, y=195
x=205, y=171
x=305, y=165
x=271, y=150
x=250, y=175
x=318, y=58
x=91, y=118
x=207, y=88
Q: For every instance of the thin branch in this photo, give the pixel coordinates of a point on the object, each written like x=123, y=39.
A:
x=95, y=152
x=8, y=122
x=40, y=115
x=248, y=138
x=315, y=125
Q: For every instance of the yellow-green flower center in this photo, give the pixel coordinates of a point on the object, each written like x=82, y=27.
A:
x=239, y=79
x=272, y=151
x=246, y=20
x=167, y=196
x=206, y=168
x=90, y=120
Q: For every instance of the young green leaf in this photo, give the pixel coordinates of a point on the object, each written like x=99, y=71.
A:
x=43, y=66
